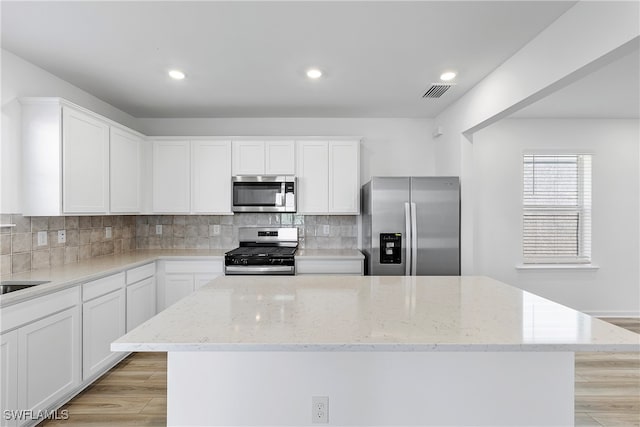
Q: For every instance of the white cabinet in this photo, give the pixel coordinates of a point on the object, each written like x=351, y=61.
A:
x=85, y=163
x=67, y=167
x=141, y=295
x=8, y=375
x=344, y=177
x=171, y=176
x=103, y=321
x=329, y=177
x=330, y=266
x=264, y=158
x=177, y=279
x=48, y=354
x=41, y=351
x=211, y=177
x=124, y=171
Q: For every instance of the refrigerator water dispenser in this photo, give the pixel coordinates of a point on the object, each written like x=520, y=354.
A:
x=390, y=248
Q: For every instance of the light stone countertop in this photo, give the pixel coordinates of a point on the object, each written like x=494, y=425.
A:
x=69, y=275
x=371, y=313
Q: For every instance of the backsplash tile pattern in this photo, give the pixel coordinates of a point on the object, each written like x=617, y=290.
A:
x=85, y=238
x=198, y=231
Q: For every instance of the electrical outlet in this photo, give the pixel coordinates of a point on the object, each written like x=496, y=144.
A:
x=320, y=409
x=158, y=229
x=42, y=238
x=325, y=230
x=62, y=236
x=216, y=229
x=107, y=232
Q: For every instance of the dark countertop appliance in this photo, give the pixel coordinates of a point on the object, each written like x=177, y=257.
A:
x=263, y=251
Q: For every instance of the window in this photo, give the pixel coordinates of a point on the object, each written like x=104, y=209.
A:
x=556, y=209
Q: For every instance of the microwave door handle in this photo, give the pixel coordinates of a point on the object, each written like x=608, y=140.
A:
x=407, y=240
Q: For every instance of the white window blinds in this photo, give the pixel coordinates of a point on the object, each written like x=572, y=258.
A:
x=557, y=208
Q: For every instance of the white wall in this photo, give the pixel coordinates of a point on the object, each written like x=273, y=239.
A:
x=21, y=78
x=497, y=157
x=390, y=147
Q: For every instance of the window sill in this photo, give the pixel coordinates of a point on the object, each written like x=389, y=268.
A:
x=572, y=267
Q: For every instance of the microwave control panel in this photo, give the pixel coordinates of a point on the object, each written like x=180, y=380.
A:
x=390, y=248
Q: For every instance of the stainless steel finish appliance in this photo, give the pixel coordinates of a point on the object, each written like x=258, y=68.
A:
x=411, y=226
x=263, y=250
x=263, y=193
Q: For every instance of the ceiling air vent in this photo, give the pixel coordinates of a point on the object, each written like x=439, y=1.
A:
x=437, y=90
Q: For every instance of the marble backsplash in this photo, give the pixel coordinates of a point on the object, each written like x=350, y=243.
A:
x=86, y=235
x=85, y=238
x=198, y=231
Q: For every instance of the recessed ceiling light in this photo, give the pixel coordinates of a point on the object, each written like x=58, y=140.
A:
x=314, y=73
x=449, y=75
x=176, y=74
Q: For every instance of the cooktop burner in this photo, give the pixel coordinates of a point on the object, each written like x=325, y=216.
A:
x=247, y=251
x=263, y=251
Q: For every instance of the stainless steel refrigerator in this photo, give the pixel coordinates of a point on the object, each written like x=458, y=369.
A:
x=411, y=226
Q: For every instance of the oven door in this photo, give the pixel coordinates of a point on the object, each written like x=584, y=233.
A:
x=237, y=270
x=263, y=194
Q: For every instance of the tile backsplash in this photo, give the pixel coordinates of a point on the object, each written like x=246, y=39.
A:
x=198, y=231
x=85, y=238
x=86, y=235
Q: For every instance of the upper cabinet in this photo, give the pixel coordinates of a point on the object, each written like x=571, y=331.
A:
x=124, y=170
x=191, y=176
x=329, y=177
x=76, y=162
x=264, y=158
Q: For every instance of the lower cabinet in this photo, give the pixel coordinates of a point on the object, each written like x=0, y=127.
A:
x=141, y=302
x=8, y=375
x=329, y=266
x=40, y=355
x=103, y=321
x=49, y=359
x=177, y=279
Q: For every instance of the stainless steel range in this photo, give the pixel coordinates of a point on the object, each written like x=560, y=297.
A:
x=263, y=250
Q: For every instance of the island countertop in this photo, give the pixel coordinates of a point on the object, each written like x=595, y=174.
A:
x=371, y=313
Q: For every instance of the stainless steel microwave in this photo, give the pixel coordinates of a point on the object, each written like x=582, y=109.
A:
x=263, y=193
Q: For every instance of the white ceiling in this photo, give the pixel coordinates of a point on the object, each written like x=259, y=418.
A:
x=248, y=59
x=610, y=92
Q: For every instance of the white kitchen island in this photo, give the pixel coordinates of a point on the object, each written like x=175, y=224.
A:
x=385, y=351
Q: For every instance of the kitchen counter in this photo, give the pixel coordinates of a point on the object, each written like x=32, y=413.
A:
x=364, y=313
x=68, y=275
x=435, y=350
x=72, y=274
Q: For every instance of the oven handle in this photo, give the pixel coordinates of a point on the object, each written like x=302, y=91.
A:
x=258, y=270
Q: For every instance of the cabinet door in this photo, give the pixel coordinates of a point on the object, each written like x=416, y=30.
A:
x=313, y=179
x=141, y=302
x=344, y=177
x=280, y=158
x=49, y=354
x=171, y=176
x=248, y=158
x=124, y=171
x=202, y=279
x=8, y=375
x=177, y=286
x=211, y=176
x=103, y=321
x=85, y=164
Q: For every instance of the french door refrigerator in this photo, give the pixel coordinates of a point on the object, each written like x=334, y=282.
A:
x=411, y=226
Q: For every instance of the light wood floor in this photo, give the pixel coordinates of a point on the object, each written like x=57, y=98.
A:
x=134, y=393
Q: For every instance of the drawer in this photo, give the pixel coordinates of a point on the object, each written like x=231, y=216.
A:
x=37, y=308
x=136, y=274
x=209, y=266
x=96, y=288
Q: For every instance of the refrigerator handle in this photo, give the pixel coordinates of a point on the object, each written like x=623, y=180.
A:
x=407, y=240
x=414, y=240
